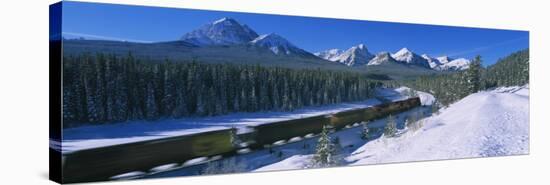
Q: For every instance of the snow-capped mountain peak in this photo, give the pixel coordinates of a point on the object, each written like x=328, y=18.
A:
x=225, y=31
x=403, y=52
x=433, y=62
x=277, y=44
x=360, y=46
x=381, y=58
x=444, y=59
x=455, y=65
x=445, y=63
x=331, y=54
x=225, y=20
x=408, y=57
x=354, y=56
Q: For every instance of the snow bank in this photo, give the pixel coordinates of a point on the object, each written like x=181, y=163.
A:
x=401, y=93
x=165, y=167
x=425, y=98
x=490, y=123
x=129, y=175
x=292, y=163
x=195, y=161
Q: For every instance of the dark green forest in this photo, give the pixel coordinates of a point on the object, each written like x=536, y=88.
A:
x=512, y=70
x=102, y=88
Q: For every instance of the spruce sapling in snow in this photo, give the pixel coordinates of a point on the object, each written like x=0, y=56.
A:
x=411, y=121
x=365, y=131
x=324, y=152
x=435, y=107
x=391, y=127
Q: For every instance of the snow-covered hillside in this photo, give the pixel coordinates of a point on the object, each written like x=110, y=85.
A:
x=484, y=124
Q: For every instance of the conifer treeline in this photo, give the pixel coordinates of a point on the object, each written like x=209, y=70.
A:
x=105, y=88
x=510, y=71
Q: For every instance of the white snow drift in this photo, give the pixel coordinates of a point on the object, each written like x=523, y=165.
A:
x=484, y=124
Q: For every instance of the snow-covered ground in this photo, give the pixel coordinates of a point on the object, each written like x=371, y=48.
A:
x=86, y=137
x=402, y=93
x=484, y=124
x=489, y=123
x=296, y=153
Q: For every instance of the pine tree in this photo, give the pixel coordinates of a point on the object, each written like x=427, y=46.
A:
x=168, y=100
x=201, y=103
x=181, y=106
x=391, y=127
x=435, y=107
x=150, y=104
x=365, y=131
x=325, y=151
x=473, y=75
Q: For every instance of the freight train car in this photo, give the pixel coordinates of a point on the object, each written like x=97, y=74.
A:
x=341, y=119
x=99, y=164
x=271, y=132
x=396, y=107
x=266, y=134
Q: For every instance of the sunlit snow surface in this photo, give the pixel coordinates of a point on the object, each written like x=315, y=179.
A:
x=484, y=124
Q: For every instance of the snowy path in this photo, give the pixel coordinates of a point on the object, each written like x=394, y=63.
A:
x=491, y=123
x=484, y=124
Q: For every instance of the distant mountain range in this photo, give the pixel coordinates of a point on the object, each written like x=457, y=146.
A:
x=359, y=55
x=228, y=31
x=227, y=41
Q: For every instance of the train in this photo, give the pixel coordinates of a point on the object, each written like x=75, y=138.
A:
x=99, y=164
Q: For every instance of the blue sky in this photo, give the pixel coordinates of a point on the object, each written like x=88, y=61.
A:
x=150, y=24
